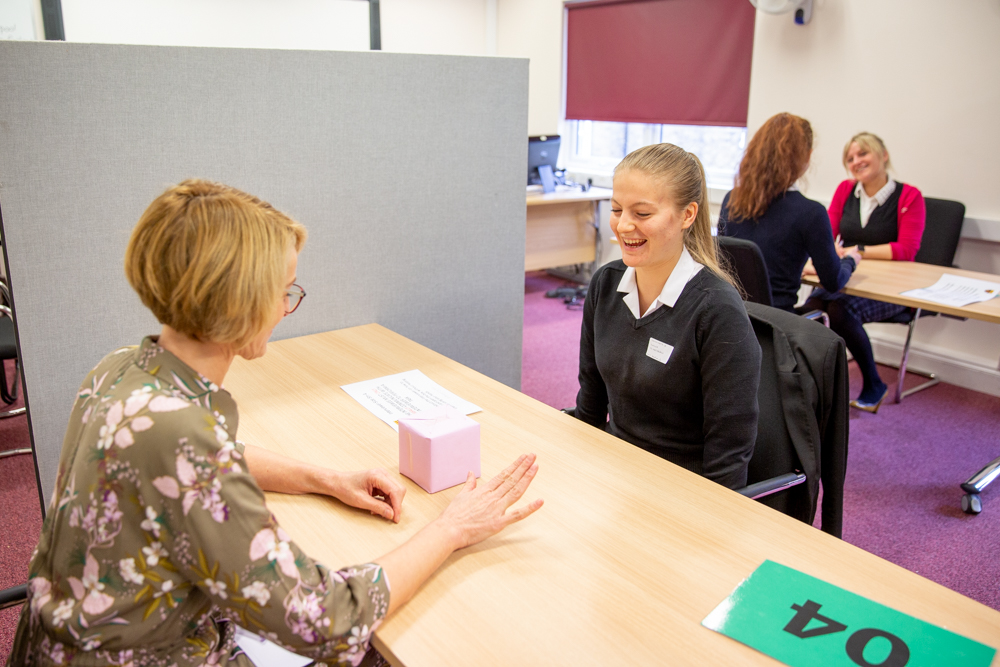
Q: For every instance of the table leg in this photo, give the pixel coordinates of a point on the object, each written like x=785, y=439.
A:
x=971, y=503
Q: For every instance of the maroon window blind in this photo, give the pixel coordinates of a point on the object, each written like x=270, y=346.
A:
x=684, y=62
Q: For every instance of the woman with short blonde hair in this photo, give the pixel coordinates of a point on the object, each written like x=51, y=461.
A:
x=881, y=219
x=206, y=259
x=158, y=542
x=668, y=359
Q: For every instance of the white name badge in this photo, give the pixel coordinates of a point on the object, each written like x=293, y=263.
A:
x=659, y=350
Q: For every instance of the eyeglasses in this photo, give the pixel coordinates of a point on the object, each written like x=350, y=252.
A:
x=293, y=298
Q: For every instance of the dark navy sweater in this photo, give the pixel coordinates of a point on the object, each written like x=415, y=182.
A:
x=792, y=230
x=699, y=409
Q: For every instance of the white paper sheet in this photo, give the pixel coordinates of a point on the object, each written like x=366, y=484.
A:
x=404, y=394
x=264, y=653
x=956, y=291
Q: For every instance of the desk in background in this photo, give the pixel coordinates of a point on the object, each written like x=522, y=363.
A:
x=621, y=565
x=563, y=228
x=885, y=280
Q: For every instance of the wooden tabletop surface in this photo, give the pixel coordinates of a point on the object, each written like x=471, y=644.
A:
x=620, y=566
x=884, y=280
x=568, y=196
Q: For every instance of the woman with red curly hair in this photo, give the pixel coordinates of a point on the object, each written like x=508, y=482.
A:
x=765, y=207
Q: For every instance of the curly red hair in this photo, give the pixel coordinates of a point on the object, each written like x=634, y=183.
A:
x=775, y=158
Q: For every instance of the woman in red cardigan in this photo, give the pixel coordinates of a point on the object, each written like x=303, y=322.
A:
x=885, y=220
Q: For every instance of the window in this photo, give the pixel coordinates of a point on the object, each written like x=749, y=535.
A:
x=596, y=147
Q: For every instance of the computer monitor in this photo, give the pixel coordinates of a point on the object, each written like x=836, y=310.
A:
x=543, y=152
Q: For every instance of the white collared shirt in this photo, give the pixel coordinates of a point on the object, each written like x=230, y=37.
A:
x=869, y=204
x=685, y=269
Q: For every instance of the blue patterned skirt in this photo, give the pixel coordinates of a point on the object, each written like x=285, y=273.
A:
x=865, y=310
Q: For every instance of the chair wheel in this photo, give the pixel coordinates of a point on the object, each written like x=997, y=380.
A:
x=971, y=504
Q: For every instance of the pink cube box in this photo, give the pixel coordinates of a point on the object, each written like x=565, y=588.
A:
x=438, y=448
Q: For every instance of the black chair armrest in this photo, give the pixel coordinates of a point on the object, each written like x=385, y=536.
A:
x=773, y=485
x=13, y=595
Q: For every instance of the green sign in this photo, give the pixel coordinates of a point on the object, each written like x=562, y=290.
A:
x=805, y=622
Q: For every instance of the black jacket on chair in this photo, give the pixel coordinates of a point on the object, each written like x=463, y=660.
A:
x=803, y=400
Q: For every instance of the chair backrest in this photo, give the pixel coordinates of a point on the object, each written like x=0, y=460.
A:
x=744, y=259
x=942, y=232
x=774, y=452
x=803, y=413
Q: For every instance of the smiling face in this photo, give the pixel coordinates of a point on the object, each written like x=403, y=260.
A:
x=258, y=346
x=866, y=166
x=648, y=224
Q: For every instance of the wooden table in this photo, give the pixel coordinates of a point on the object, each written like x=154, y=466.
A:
x=563, y=228
x=620, y=566
x=884, y=280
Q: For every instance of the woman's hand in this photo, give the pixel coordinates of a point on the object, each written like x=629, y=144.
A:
x=808, y=269
x=373, y=490
x=480, y=510
x=839, y=247
x=854, y=254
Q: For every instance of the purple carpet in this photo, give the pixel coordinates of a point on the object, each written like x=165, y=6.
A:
x=904, y=464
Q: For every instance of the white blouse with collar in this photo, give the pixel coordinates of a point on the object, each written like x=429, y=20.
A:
x=685, y=269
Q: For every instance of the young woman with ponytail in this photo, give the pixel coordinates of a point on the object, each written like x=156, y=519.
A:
x=668, y=359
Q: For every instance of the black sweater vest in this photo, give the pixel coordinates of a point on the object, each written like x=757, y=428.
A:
x=882, y=226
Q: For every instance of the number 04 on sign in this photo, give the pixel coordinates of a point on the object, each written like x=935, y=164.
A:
x=805, y=622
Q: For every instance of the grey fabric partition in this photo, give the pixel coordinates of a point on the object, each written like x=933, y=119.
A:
x=408, y=171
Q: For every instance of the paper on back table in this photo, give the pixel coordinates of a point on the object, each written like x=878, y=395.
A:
x=956, y=291
x=404, y=395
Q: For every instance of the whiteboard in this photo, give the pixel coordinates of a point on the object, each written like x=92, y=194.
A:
x=323, y=25
x=17, y=19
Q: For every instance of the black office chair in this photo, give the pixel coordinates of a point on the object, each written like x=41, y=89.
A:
x=745, y=261
x=937, y=246
x=13, y=596
x=802, y=428
x=8, y=350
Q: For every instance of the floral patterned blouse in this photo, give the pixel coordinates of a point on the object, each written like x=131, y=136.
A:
x=157, y=540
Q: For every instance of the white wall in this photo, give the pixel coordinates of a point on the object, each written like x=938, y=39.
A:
x=922, y=74
x=534, y=29
x=289, y=24
x=925, y=76
x=448, y=27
